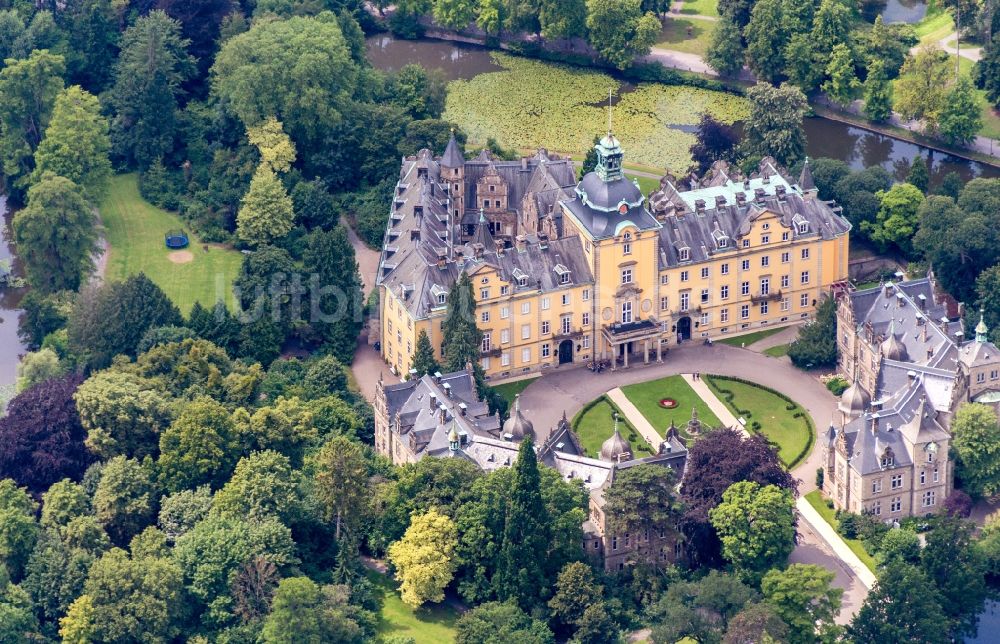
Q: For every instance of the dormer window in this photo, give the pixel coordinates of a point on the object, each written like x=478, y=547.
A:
x=684, y=254
x=522, y=281
x=521, y=277
x=804, y=227
x=801, y=224
x=723, y=242
x=562, y=272
x=441, y=298
x=564, y=278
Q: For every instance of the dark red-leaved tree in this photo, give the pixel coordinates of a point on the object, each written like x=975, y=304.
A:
x=717, y=460
x=41, y=439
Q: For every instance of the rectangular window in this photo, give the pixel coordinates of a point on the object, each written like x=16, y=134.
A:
x=877, y=508
x=546, y=351
x=504, y=312
x=763, y=308
x=546, y=303
x=487, y=342
x=684, y=276
x=805, y=253
x=745, y=311
x=525, y=331
x=923, y=477
x=896, y=481
x=525, y=308
x=876, y=486
x=565, y=299
x=566, y=322
x=786, y=304
x=486, y=363
x=685, y=301
x=586, y=342
x=765, y=285
x=804, y=300
x=928, y=500
x=746, y=243
x=784, y=258
x=505, y=290
x=505, y=359
x=895, y=505
x=526, y=354
x=484, y=293
x=705, y=319
x=980, y=377
x=784, y=236
x=626, y=312
x=745, y=265
x=744, y=288
x=586, y=295
x=785, y=280
x=704, y=295
x=545, y=327
x=804, y=278
x=664, y=303
x=586, y=319
x=704, y=273
x=627, y=248
x=664, y=279
x=765, y=261
x=626, y=276
x=765, y=239
x=993, y=374
x=936, y=475
x=484, y=316
x=724, y=292
x=724, y=269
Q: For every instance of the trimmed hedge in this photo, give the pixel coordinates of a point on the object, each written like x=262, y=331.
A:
x=755, y=426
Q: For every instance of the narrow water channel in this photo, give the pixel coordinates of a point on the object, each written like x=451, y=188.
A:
x=825, y=138
x=11, y=347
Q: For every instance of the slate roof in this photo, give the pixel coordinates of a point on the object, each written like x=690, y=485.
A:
x=517, y=174
x=421, y=230
x=596, y=204
x=709, y=220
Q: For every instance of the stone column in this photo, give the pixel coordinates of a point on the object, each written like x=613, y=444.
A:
x=659, y=349
x=645, y=348
x=626, y=355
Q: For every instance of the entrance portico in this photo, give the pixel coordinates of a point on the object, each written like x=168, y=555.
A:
x=620, y=340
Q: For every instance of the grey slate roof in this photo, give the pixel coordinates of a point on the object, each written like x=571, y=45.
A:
x=698, y=219
x=596, y=202
x=452, y=157
x=517, y=174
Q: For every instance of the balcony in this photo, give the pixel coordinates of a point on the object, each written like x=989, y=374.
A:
x=773, y=296
x=491, y=353
x=573, y=334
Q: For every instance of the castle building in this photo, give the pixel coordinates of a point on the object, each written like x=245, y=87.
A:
x=909, y=368
x=569, y=272
x=440, y=416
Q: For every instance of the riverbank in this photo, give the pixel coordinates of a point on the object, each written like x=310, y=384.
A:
x=695, y=73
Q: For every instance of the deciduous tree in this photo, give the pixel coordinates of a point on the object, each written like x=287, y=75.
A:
x=200, y=446
x=802, y=595
x=756, y=526
x=976, y=440
x=896, y=222
x=302, y=611
x=956, y=567
x=122, y=414
x=266, y=212
x=641, y=499
x=842, y=80
x=424, y=558
x=961, y=117
x=619, y=30
x=775, y=124
x=126, y=497
x=903, y=606
x=502, y=622
x=986, y=73
x=725, y=52
x=699, y=609
x=766, y=36
x=878, y=93
x=56, y=235
x=18, y=529
x=922, y=88
x=76, y=144
x=263, y=485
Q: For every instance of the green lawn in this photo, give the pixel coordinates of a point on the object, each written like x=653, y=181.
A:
x=777, y=352
x=135, y=231
x=427, y=625
x=815, y=499
x=595, y=425
x=674, y=35
x=646, y=184
x=791, y=435
x=701, y=7
x=749, y=338
x=510, y=389
x=646, y=397
x=936, y=25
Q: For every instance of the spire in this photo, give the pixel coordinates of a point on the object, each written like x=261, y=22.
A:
x=609, y=153
x=981, y=328
x=806, y=182
x=609, y=111
x=452, y=157
x=453, y=439
x=482, y=234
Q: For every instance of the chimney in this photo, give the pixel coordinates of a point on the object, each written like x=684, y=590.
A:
x=462, y=408
x=444, y=413
x=524, y=163
x=433, y=400
x=911, y=375
x=437, y=377
x=442, y=258
x=720, y=200
x=746, y=184
x=899, y=300
x=741, y=198
x=887, y=289
x=699, y=205
x=543, y=241
x=447, y=389
x=521, y=242
x=780, y=191
x=874, y=424
x=500, y=247
x=922, y=301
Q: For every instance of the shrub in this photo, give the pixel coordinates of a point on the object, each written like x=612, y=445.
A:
x=837, y=385
x=848, y=525
x=820, y=474
x=958, y=504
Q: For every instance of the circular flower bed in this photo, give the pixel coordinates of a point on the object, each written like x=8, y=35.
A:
x=668, y=403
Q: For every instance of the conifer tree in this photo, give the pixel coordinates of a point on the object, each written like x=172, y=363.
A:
x=878, y=93
x=423, y=357
x=918, y=174
x=463, y=338
x=521, y=574
x=725, y=53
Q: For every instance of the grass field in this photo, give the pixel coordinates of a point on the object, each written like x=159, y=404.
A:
x=646, y=397
x=674, y=35
x=749, y=338
x=777, y=352
x=135, y=231
x=595, y=425
x=646, y=184
x=816, y=500
x=426, y=625
x=791, y=435
x=510, y=389
x=701, y=8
